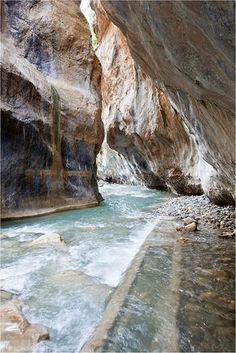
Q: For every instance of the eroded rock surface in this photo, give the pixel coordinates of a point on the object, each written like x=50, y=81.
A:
x=187, y=48
x=50, y=105
x=146, y=139
x=17, y=334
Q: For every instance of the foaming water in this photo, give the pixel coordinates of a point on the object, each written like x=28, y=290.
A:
x=66, y=287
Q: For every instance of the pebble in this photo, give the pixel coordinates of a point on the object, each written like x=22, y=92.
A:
x=231, y=305
x=226, y=235
x=218, y=274
x=200, y=210
x=208, y=295
x=183, y=240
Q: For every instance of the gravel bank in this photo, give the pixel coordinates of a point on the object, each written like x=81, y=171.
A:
x=202, y=210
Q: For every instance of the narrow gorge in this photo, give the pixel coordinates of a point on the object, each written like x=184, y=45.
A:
x=117, y=176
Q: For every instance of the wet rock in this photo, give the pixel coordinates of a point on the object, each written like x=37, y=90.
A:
x=17, y=333
x=3, y=236
x=5, y=295
x=49, y=238
x=215, y=273
x=79, y=278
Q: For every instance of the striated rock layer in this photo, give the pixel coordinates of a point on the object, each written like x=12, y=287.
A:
x=146, y=139
x=51, y=108
x=187, y=49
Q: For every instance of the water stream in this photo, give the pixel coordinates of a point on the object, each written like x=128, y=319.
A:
x=66, y=287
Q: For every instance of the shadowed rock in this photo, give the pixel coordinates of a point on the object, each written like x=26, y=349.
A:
x=187, y=48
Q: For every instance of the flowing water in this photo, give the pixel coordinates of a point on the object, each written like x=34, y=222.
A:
x=180, y=298
x=66, y=287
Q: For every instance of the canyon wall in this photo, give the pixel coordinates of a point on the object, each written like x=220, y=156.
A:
x=51, y=128
x=145, y=138
x=187, y=50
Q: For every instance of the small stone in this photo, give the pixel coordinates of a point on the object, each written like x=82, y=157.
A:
x=189, y=220
x=231, y=305
x=225, y=259
x=182, y=240
x=227, y=235
x=191, y=227
x=208, y=296
x=220, y=275
x=222, y=224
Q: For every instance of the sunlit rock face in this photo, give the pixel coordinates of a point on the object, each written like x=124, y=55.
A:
x=187, y=48
x=146, y=140
x=50, y=105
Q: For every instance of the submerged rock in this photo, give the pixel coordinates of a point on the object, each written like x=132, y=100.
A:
x=79, y=279
x=16, y=332
x=49, y=238
x=5, y=295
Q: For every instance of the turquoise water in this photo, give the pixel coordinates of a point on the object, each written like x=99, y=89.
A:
x=66, y=287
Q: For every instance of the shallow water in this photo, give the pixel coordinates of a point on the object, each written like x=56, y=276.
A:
x=66, y=287
x=181, y=300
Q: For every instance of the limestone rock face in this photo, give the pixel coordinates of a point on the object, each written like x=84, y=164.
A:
x=50, y=106
x=146, y=139
x=17, y=334
x=187, y=48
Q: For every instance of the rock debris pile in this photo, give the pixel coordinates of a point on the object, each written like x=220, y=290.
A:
x=203, y=211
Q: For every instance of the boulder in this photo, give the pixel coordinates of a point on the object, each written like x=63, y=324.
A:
x=48, y=238
x=17, y=333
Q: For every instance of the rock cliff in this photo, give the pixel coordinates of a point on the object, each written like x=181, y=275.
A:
x=146, y=139
x=187, y=49
x=50, y=107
